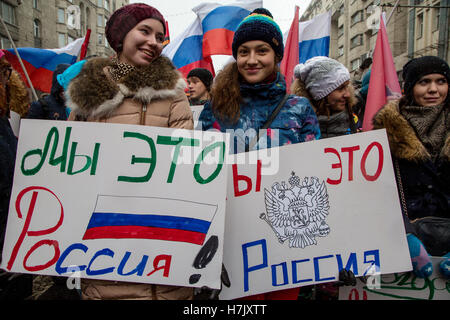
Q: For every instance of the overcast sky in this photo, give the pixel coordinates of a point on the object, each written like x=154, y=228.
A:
x=179, y=14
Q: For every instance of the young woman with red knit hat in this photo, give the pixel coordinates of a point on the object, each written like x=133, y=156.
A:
x=137, y=86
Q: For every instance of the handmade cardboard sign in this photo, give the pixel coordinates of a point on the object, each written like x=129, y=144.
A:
x=400, y=286
x=117, y=202
x=333, y=204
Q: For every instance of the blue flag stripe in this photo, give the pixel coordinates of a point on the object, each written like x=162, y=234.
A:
x=148, y=220
x=313, y=48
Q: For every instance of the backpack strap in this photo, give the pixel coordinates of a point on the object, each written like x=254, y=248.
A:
x=268, y=122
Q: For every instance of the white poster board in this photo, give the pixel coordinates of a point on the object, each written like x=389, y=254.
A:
x=14, y=120
x=400, y=286
x=117, y=202
x=332, y=204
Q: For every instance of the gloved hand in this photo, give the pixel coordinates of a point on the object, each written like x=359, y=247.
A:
x=421, y=260
x=346, y=278
x=205, y=293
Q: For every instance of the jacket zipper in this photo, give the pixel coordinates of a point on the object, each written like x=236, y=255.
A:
x=144, y=111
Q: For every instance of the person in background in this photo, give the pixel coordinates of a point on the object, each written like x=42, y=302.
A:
x=361, y=71
x=417, y=127
x=138, y=86
x=52, y=106
x=199, y=84
x=13, y=93
x=246, y=93
x=326, y=83
x=361, y=96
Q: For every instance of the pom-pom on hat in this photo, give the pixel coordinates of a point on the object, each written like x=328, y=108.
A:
x=420, y=67
x=203, y=74
x=126, y=18
x=321, y=76
x=259, y=25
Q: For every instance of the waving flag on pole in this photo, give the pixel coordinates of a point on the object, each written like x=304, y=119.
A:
x=40, y=63
x=383, y=85
x=186, y=50
x=314, y=37
x=291, y=56
x=219, y=23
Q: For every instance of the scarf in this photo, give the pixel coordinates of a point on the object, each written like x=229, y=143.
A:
x=119, y=69
x=334, y=125
x=431, y=125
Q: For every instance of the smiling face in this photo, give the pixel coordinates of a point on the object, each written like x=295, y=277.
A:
x=143, y=43
x=339, y=98
x=255, y=61
x=431, y=90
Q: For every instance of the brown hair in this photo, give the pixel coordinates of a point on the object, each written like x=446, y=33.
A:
x=226, y=94
x=15, y=95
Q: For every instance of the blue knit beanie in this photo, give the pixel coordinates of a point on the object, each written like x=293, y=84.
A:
x=70, y=73
x=259, y=25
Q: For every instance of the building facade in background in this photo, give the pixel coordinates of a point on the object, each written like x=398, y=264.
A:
x=52, y=24
x=415, y=28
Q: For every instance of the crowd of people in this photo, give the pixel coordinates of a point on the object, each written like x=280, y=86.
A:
x=140, y=86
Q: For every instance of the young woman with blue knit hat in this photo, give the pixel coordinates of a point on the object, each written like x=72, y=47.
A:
x=246, y=93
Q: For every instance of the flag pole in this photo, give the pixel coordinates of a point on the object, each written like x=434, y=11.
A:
x=20, y=60
x=392, y=12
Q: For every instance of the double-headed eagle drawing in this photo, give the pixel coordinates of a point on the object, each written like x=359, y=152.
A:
x=297, y=213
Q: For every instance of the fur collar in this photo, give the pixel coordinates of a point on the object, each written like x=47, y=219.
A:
x=403, y=140
x=93, y=93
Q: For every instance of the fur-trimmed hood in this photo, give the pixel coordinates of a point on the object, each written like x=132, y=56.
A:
x=403, y=140
x=93, y=94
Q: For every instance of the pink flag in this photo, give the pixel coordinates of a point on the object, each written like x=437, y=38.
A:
x=290, y=59
x=383, y=85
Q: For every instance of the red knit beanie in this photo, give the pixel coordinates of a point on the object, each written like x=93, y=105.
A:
x=125, y=19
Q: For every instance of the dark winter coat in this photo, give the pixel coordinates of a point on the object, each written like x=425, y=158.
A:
x=425, y=184
x=8, y=147
x=52, y=106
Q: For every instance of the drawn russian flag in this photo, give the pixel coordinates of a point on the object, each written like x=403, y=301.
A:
x=186, y=50
x=118, y=217
x=314, y=37
x=219, y=22
x=40, y=63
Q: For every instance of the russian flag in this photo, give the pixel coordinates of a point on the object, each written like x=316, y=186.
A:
x=119, y=217
x=219, y=22
x=314, y=37
x=40, y=63
x=186, y=50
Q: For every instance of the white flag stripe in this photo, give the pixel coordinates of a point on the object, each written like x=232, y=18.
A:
x=316, y=28
x=157, y=206
x=72, y=48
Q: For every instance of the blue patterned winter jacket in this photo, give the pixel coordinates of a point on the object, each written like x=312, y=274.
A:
x=296, y=121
